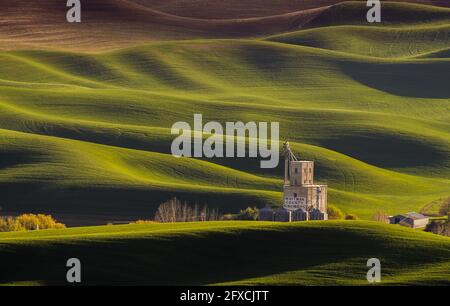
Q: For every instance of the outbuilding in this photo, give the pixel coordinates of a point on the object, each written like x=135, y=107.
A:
x=282, y=215
x=411, y=219
x=266, y=214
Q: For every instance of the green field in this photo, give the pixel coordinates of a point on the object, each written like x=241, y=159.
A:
x=89, y=133
x=238, y=253
x=86, y=112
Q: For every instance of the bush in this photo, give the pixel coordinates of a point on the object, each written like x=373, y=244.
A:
x=351, y=217
x=250, y=213
x=439, y=227
x=28, y=222
x=10, y=225
x=334, y=213
x=143, y=222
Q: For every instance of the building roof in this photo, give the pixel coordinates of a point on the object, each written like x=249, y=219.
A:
x=266, y=209
x=306, y=185
x=415, y=216
x=411, y=215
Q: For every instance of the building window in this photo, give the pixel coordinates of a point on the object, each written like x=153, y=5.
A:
x=295, y=195
x=296, y=170
x=295, y=182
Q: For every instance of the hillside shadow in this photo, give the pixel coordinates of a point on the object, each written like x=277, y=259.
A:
x=388, y=150
x=406, y=79
x=10, y=159
x=134, y=202
x=199, y=258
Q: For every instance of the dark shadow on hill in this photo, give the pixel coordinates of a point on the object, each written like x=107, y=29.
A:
x=408, y=79
x=437, y=54
x=10, y=159
x=200, y=258
x=131, y=202
x=388, y=150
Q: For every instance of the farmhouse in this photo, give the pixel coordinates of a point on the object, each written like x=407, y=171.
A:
x=411, y=219
x=302, y=199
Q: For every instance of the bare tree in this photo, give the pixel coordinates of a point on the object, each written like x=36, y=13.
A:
x=445, y=207
x=176, y=211
x=381, y=216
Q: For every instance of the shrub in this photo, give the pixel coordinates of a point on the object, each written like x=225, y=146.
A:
x=143, y=222
x=28, y=222
x=47, y=221
x=250, y=213
x=351, y=217
x=334, y=212
x=10, y=224
x=440, y=227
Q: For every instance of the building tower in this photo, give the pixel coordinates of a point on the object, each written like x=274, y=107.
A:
x=299, y=190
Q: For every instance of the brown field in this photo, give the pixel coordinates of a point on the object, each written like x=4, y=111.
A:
x=109, y=24
x=228, y=9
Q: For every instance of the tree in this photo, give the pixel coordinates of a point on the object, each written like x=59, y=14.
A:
x=176, y=211
x=445, y=207
x=28, y=222
x=381, y=216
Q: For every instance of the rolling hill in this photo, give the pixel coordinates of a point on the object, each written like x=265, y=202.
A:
x=112, y=24
x=89, y=132
x=375, y=42
x=85, y=133
x=216, y=9
x=237, y=253
x=69, y=136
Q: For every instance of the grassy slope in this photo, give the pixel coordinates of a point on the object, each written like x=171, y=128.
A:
x=227, y=252
x=382, y=42
x=90, y=132
x=407, y=30
x=77, y=100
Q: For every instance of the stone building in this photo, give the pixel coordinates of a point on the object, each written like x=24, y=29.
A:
x=300, y=191
x=302, y=198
